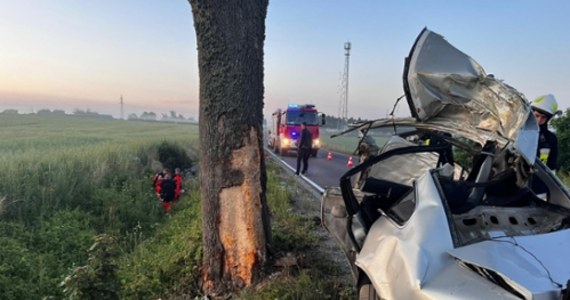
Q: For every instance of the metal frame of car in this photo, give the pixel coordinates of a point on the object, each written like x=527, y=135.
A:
x=352, y=207
x=489, y=235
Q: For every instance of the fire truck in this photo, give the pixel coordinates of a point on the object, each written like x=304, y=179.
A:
x=286, y=128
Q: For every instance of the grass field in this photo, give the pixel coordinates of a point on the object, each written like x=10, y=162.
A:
x=76, y=201
x=346, y=143
x=66, y=179
x=24, y=135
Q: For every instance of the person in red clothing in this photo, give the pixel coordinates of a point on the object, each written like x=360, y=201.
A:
x=157, y=182
x=167, y=191
x=178, y=179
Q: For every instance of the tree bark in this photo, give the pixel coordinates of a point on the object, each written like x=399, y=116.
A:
x=235, y=220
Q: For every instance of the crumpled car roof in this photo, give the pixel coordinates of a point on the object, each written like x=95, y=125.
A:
x=448, y=91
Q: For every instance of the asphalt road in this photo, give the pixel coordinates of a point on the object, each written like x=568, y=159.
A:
x=321, y=171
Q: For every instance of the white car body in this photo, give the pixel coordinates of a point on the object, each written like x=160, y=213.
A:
x=422, y=228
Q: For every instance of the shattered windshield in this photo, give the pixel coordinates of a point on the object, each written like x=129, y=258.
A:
x=298, y=117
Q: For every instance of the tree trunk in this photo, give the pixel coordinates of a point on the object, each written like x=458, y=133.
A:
x=235, y=219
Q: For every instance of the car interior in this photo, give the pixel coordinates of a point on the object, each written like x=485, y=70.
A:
x=495, y=195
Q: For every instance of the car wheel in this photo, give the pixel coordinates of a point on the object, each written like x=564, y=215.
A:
x=282, y=151
x=366, y=290
x=314, y=153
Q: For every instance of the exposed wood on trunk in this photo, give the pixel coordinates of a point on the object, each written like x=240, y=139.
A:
x=241, y=228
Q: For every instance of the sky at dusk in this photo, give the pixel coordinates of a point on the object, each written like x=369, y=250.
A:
x=74, y=54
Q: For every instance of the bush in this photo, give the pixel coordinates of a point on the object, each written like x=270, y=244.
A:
x=562, y=126
x=63, y=240
x=173, y=156
x=98, y=279
x=18, y=274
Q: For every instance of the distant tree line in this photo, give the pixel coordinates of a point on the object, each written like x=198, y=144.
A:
x=10, y=112
x=151, y=116
x=145, y=116
x=49, y=112
x=60, y=112
x=89, y=113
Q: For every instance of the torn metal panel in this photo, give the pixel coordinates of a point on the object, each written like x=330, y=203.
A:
x=457, y=282
x=484, y=222
x=399, y=260
x=532, y=264
x=437, y=74
x=436, y=124
x=444, y=85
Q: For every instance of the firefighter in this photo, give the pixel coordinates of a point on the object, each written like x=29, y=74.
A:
x=178, y=179
x=544, y=108
x=156, y=183
x=304, y=146
x=167, y=191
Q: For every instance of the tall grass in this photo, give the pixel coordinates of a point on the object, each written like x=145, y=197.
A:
x=290, y=231
x=57, y=162
x=168, y=262
x=65, y=179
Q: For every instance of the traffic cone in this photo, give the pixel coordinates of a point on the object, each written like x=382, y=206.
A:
x=349, y=163
x=329, y=156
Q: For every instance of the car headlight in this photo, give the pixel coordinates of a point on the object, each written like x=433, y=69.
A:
x=285, y=142
x=316, y=142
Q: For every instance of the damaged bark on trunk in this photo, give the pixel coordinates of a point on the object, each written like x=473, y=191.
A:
x=235, y=219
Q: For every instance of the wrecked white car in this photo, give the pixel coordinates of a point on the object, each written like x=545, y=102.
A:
x=449, y=207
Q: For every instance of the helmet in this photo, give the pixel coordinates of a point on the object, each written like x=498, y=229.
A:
x=546, y=104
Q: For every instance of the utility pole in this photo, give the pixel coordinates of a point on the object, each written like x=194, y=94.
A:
x=343, y=105
x=122, y=116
